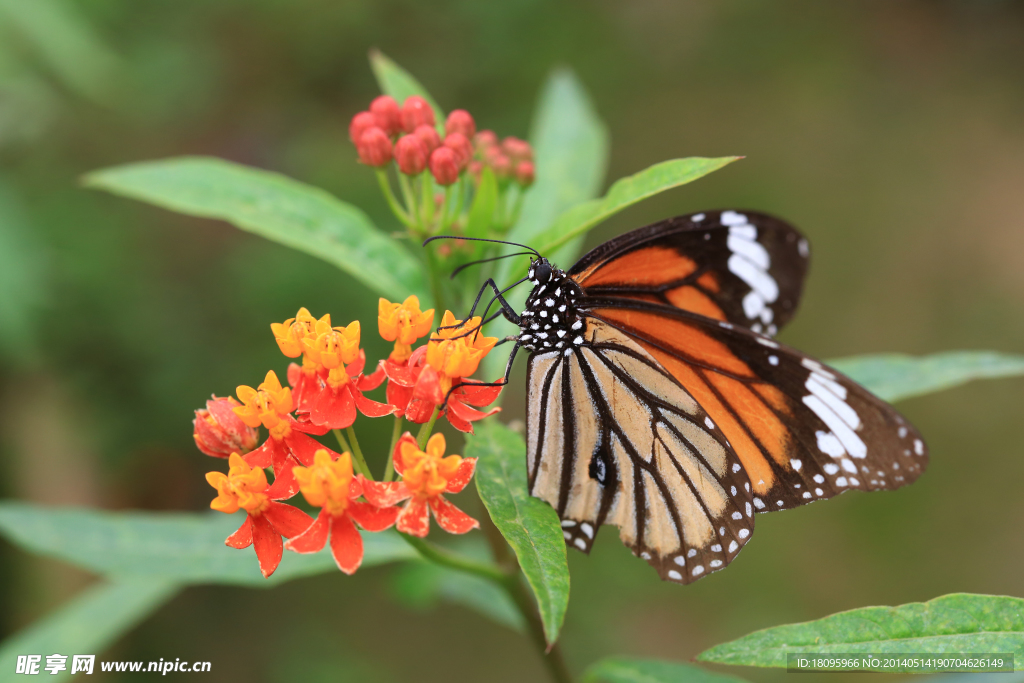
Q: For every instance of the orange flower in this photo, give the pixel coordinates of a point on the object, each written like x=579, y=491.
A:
x=330, y=485
x=426, y=476
x=403, y=324
x=245, y=487
x=457, y=348
x=288, y=444
x=293, y=331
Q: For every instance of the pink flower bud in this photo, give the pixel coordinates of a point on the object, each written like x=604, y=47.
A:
x=460, y=121
x=516, y=149
x=501, y=165
x=459, y=143
x=524, y=173
x=475, y=169
x=416, y=112
x=219, y=432
x=429, y=136
x=485, y=139
x=387, y=113
x=361, y=122
x=444, y=165
x=411, y=154
x=374, y=148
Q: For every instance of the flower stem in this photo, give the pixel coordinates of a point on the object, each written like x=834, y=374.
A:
x=396, y=432
x=447, y=558
x=410, y=199
x=396, y=208
x=421, y=438
x=428, y=199
x=357, y=453
x=357, y=463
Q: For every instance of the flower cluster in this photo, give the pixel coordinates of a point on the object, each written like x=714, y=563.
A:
x=325, y=393
x=409, y=136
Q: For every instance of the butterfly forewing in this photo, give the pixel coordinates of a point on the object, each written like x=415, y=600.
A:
x=746, y=268
x=802, y=431
x=614, y=438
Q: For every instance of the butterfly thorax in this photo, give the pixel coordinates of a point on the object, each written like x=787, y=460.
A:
x=551, y=320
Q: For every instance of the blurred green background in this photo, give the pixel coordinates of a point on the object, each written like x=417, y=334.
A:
x=890, y=132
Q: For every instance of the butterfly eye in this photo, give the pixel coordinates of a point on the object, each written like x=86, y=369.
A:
x=542, y=273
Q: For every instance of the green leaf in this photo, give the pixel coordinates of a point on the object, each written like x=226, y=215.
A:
x=529, y=525
x=88, y=624
x=632, y=670
x=185, y=548
x=276, y=207
x=894, y=376
x=570, y=144
x=400, y=84
x=957, y=623
x=421, y=584
x=481, y=213
x=624, y=193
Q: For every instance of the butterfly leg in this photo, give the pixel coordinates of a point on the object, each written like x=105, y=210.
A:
x=506, y=309
x=500, y=383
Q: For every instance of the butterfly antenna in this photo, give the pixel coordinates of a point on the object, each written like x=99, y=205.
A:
x=485, y=260
x=480, y=239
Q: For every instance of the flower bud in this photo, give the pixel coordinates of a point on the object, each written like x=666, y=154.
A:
x=460, y=144
x=460, y=121
x=361, y=122
x=374, y=147
x=524, y=173
x=444, y=165
x=416, y=112
x=501, y=165
x=516, y=149
x=429, y=136
x=411, y=154
x=389, y=117
x=485, y=139
x=475, y=169
x=219, y=432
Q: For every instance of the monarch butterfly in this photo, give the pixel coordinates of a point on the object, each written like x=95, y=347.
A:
x=658, y=401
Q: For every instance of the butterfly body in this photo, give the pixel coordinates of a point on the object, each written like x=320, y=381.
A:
x=658, y=401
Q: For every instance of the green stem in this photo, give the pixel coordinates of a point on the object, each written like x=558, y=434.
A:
x=516, y=208
x=427, y=194
x=442, y=222
x=396, y=208
x=421, y=438
x=396, y=432
x=447, y=558
x=410, y=198
x=357, y=453
x=345, y=448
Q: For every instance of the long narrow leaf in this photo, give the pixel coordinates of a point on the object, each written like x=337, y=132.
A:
x=88, y=624
x=624, y=193
x=894, y=376
x=185, y=548
x=958, y=623
x=276, y=207
x=529, y=525
x=633, y=670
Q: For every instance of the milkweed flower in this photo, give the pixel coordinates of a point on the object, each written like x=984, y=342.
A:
x=219, y=432
x=289, y=336
x=403, y=324
x=245, y=487
x=426, y=476
x=289, y=443
x=329, y=484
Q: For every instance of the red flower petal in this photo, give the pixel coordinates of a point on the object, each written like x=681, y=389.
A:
x=397, y=456
x=285, y=485
x=403, y=374
x=356, y=367
x=428, y=387
x=398, y=396
x=287, y=520
x=346, y=544
x=385, y=493
x=355, y=488
x=334, y=409
x=305, y=386
x=268, y=544
x=414, y=519
x=419, y=411
x=241, y=538
x=450, y=518
x=476, y=395
x=314, y=538
x=373, y=380
x=262, y=457
x=462, y=475
x=466, y=414
x=457, y=422
x=303, y=448
x=303, y=424
x=371, y=408
x=371, y=517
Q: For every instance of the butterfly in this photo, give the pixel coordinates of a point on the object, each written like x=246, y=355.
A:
x=659, y=402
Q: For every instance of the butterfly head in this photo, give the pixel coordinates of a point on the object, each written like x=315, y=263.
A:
x=551, y=321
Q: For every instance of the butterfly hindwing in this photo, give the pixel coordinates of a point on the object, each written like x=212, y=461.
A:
x=613, y=438
x=802, y=431
x=745, y=268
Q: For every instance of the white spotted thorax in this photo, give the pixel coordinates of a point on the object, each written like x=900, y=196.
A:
x=551, y=321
